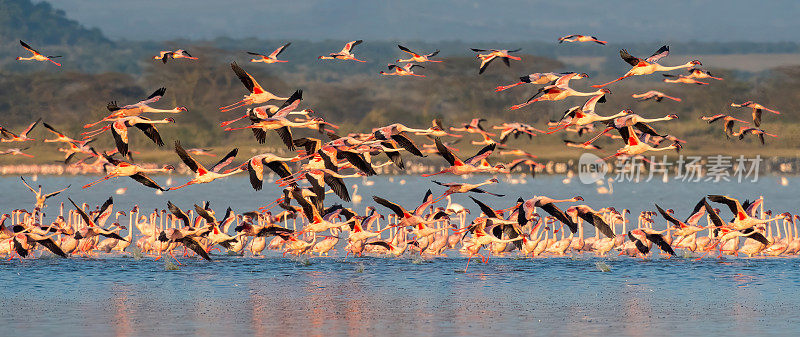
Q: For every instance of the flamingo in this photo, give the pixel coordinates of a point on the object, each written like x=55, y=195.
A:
x=278, y=122
x=453, y=188
x=474, y=126
x=201, y=174
x=557, y=93
x=585, y=115
x=419, y=58
x=757, y=109
x=173, y=235
x=515, y=129
x=345, y=53
x=272, y=57
x=36, y=56
x=640, y=236
x=634, y=146
x=503, y=54
x=119, y=130
x=654, y=94
x=548, y=205
x=681, y=79
x=700, y=73
x=591, y=216
x=165, y=55
x=570, y=143
x=535, y=78
x=16, y=152
x=648, y=65
x=60, y=137
x=457, y=166
x=728, y=126
x=743, y=219
x=200, y=152
x=41, y=197
x=257, y=94
x=743, y=131
x=136, y=172
x=633, y=120
x=136, y=109
x=255, y=167
x=405, y=70
x=9, y=136
x=580, y=38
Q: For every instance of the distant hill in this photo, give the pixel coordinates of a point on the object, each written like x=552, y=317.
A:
x=40, y=24
x=619, y=21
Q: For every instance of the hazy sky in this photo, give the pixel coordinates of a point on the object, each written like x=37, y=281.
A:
x=467, y=20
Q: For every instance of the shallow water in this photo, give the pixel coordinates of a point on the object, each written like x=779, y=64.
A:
x=366, y=296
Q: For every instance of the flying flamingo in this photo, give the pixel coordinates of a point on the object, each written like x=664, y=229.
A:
x=280, y=123
x=16, y=152
x=578, y=145
x=648, y=65
x=535, y=78
x=405, y=70
x=416, y=57
x=580, y=38
x=119, y=129
x=61, y=137
x=201, y=152
x=42, y=197
x=165, y=55
x=345, y=54
x=503, y=54
x=203, y=175
x=36, y=56
x=136, y=172
x=556, y=93
x=742, y=220
x=453, y=188
x=272, y=57
x=136, y=109
x=585, y=115
x=681, y=79
x=757, y=109
x=257, y=94
x=700, y=73
x=743, y=131
x=457, y=166
x=634, y=146
x=474, y=126
x=728, y=127
x=654, y=94
x=641, y=236
x=9, y=136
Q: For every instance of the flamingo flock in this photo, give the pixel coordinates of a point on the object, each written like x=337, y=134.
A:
x=313, y=215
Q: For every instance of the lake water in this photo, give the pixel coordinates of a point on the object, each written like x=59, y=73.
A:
x=124, y=296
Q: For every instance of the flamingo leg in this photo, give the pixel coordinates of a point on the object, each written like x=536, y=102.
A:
x=97, y=181
x=605, y=84
x=173, y=257
x=504, y=87
x=224, y=124
x=235, y=105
